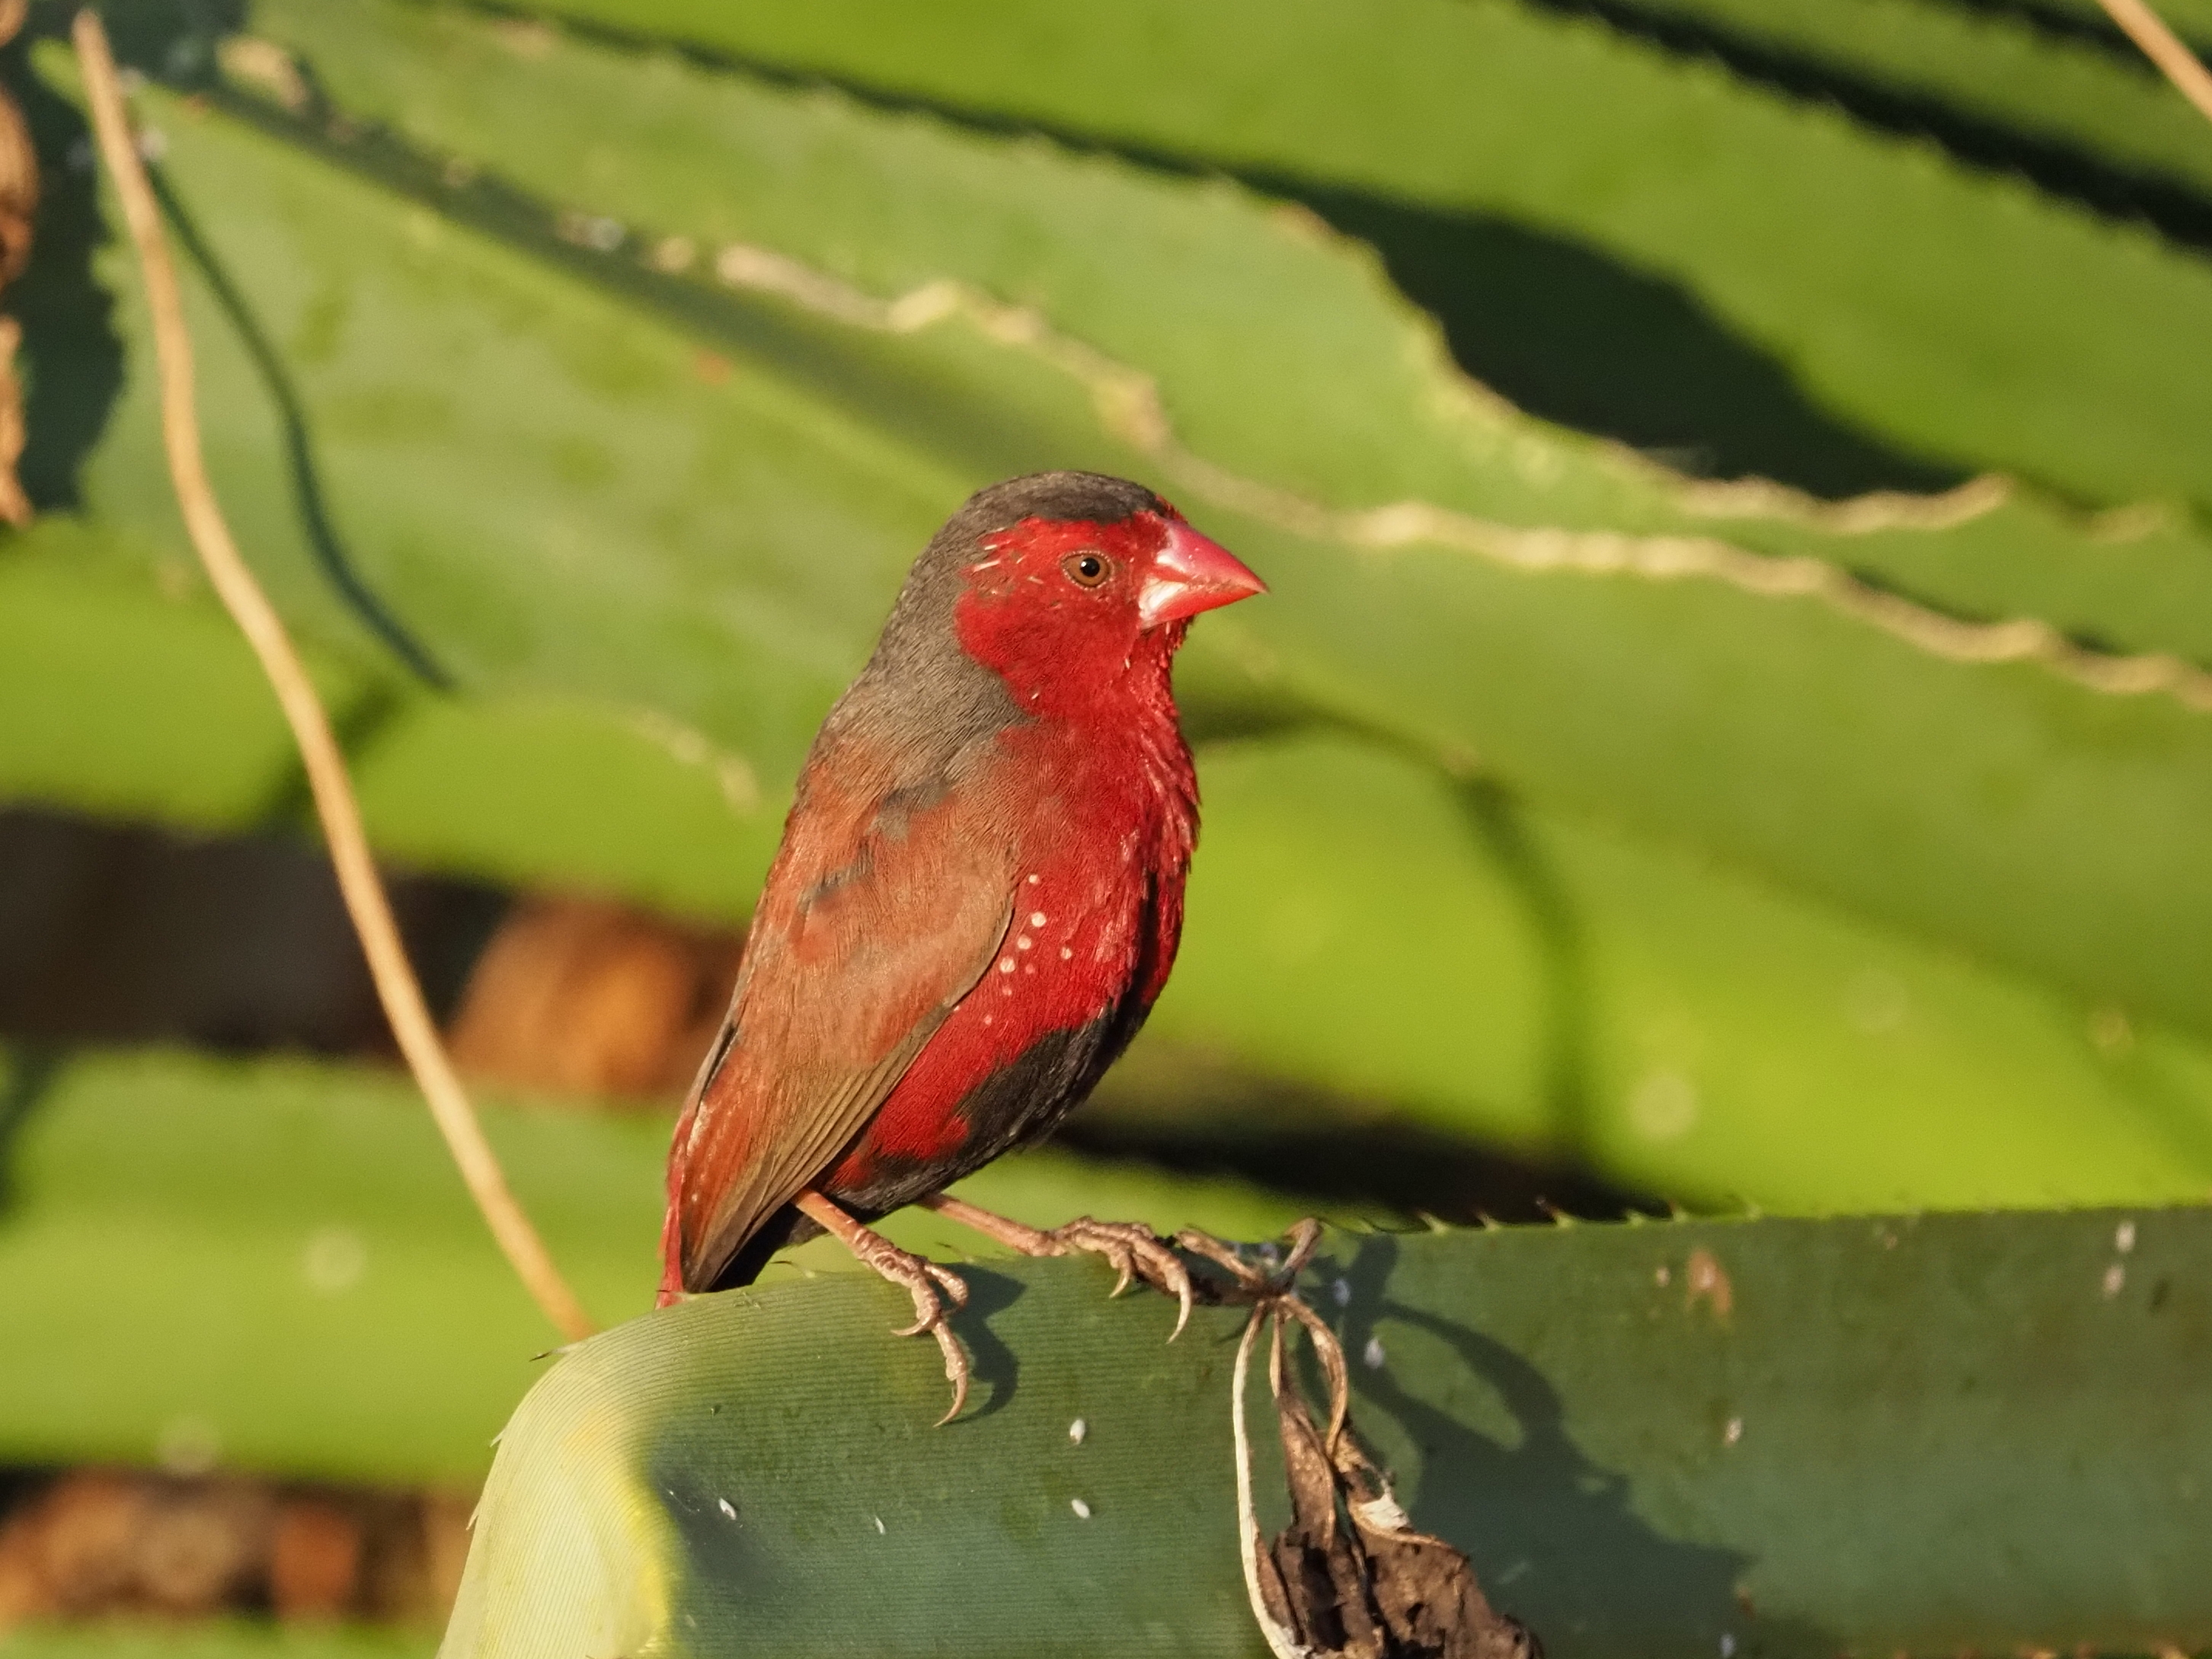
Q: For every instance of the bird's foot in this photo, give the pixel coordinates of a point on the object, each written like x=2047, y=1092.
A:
x=1134, y=1251
x=930, y=1286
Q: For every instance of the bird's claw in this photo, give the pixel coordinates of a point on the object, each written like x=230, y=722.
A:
x=928, y=1304
x=931, y=1287
x=1133, y=1252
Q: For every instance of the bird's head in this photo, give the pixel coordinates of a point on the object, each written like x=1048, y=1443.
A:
x=1073, y=585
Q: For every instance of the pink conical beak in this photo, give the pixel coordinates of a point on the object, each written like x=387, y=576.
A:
x=1189, y=574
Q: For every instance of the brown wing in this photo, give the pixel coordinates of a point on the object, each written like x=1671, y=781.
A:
x=881, y=914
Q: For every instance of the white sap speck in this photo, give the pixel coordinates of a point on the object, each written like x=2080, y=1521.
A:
x=1728, y=1647
x=1034, y=879
x=334, y=1261
x=1877, y=1002
x=879, y=1519
x=987, y=1019
x=1077, y=1430
x=1065, y=953
x=1372, y=1355
x=1006, y=964
x=1342, y=1291
x=1022, y=943
x=727, y=1507
x=189, y=1445
x=1036, y=918
x=1082, y=1509
x=1663, y=1106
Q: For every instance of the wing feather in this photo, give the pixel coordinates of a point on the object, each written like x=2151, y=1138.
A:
x=878, y=918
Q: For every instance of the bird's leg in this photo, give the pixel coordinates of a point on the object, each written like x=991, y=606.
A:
x=1134, y=1251
x=929, y=1284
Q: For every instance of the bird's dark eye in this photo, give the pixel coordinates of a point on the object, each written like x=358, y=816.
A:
x=1087, y=569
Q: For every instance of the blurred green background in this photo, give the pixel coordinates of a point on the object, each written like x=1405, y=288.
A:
x=1732, y=726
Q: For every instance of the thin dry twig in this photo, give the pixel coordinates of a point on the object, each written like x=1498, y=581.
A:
x=2164, y=48
x=19, y=209
x=363, y=889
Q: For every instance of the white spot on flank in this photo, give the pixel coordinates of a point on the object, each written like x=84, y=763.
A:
x=727, y=1507
x=1372, y=1356
x=1034, y=879
x=1022, y=943
x=1662, y=1275
x=1728, y=1647
x=1077, y=1430
x=987, y=1019
x=1082, y=1509
x=1006, y=964
x=1036, y=918
x=1733, y=1432
x=2123, y=1238
x=1065, y=953
x=2115, y=1277
x=1342, y=1291
x=879, y=1519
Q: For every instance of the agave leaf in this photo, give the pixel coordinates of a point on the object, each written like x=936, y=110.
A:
x=484, y=402
x=2191, y=18
x=1585, y=688
x=1783, y=218
x=1566, y=990
x=210, y=1639
x=1931, y=1435
x=1321, y=380
x=298, y=1283
x=1585, y=995
x=2009, y=86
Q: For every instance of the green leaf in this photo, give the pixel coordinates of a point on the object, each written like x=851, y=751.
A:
x=292, y=1277
x=1943, y=790
x=1932, y=1435
x=2000, y=82
x=138, y=703
x=1910, y=299
x=646, y=521
x=209, y=1639
x=1279, y=351
x=1696, y=1035
x=2190, y=18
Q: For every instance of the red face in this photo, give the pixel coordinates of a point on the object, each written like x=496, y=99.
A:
x=1066, y=609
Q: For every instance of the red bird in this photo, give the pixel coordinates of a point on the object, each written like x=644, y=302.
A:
x=978, y=897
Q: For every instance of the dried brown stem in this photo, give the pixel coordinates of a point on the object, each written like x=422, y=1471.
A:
x=2163, y=48
x=358, y=881
x=1374, y=1588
